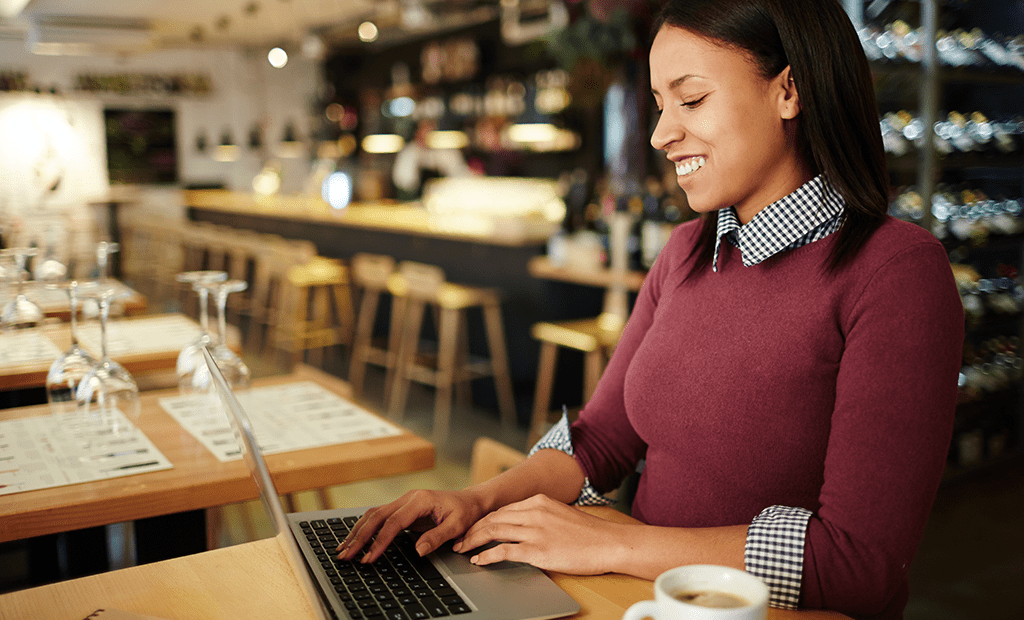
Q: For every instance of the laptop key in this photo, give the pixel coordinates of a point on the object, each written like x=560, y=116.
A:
x=434, y=607
x=395, y=614
x=416, y=612
x=452, y=600
x=372, y=612
x=441, y=593
x=459, y=609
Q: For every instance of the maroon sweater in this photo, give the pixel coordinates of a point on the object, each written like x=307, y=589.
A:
x=782, y=384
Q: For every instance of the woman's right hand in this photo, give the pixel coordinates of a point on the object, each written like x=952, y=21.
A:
x=440, y=515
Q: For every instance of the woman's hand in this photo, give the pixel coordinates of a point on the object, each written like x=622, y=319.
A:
x=440, y=515
x=547, y=534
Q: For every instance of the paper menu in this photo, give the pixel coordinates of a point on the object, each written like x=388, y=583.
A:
x=137, y=336
x=45, y=451
x=26, y=346
x=294, y=416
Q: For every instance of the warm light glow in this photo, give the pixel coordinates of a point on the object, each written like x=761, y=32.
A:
x=383, y=143
x=10, y=8
x=226, y=152
x=447, y=139
x=532, y=132
x=277, y=57
x=267, y=182
x=337, y=190
x=368, y=32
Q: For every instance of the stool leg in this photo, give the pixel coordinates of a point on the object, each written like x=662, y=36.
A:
x=361, y=341
x=463, y=378
x=395, y=334
x=447, y=344
x=406, y=357
x=542, y=398
x=499, y=364
x=593, y=366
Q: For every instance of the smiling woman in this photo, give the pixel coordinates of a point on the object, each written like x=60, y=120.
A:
x=788, y=372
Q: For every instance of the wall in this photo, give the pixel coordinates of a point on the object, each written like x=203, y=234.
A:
x=245, y=90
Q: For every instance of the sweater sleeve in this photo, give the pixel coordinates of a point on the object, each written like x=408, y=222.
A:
x=606, y=446
x=890, y=434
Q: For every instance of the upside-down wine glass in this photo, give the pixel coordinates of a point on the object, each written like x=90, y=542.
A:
x=190, y=359
x=67, y=371
x=107, y=390
x=20, y=312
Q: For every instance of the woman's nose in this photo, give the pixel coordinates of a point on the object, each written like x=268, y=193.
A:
x=666, y=132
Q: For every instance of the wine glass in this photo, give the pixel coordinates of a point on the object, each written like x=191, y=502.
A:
x=103, y=251
x=67, y=371
x=20, y=312
x=190, y=359
x=234, y=369
x=107, y=393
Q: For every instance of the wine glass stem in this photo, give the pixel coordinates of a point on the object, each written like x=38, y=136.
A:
x=73, y=304
x=222, y=324
x=104, y=313
x=204, y=319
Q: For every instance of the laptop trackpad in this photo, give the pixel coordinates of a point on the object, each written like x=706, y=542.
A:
x=459, y=564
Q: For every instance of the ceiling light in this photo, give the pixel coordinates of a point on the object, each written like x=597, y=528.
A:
x=368, y=32
x=277, y=57
x=382, y=143
x=10, y=8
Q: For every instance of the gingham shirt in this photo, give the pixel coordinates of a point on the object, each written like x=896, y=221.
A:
x=775, y=539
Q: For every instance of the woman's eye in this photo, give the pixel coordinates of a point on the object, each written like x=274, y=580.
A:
x=694, y=103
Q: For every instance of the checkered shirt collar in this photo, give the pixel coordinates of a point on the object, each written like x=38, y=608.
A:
x=782, y=224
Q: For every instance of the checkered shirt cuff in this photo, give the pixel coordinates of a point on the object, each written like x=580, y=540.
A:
x=558, y=438
x=775, y=552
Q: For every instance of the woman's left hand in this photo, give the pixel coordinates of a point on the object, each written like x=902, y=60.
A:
x=547, y=534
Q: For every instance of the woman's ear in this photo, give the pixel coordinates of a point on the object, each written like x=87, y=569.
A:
x=789, y=98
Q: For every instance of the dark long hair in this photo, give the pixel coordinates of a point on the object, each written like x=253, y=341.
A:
x=838, y=131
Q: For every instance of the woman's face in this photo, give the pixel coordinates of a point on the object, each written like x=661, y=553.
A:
x=730, y=133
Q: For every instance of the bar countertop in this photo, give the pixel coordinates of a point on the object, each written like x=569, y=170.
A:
x=389, y=216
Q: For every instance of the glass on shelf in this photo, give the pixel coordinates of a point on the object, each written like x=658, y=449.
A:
x=103, y=251
x=190, y=359
x=107, y=396
x=20, y=312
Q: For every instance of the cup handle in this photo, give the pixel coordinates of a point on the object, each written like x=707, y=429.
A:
x=643, y=609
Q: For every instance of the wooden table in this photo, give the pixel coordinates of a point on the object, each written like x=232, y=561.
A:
x=231, y=583
x=55, y=304
x=32, y=375
x=198, y=480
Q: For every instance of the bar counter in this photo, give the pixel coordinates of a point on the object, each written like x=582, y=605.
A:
x=491, y=252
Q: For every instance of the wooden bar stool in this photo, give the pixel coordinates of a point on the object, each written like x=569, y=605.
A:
x=595, y=337
x=370, y=273
x=424, y=285
x=316, y=309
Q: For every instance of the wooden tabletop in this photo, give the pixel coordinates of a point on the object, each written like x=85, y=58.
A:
x=55, y=304
x=231, y=583
x=33, y=374
x=198, y=480
x=542, y=267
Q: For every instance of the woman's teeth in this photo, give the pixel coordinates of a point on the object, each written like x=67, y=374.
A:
x=689, y=166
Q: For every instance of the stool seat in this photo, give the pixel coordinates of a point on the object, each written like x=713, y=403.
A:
x=307, y=323
x=594, y=337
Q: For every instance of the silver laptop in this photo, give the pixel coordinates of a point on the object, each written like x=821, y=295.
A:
x=401, y=585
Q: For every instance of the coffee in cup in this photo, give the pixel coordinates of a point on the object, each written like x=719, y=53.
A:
x=704, y=592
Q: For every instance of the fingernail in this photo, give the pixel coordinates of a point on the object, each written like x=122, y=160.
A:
x=457, y=547
x=421, y=548
x=366, y=558
x=474, y=559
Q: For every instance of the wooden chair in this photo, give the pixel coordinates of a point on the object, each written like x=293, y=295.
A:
x=491, y=458
x=316, y=309
x=424, y=285
x=370, y=273
x=271, y=271
x=595, y=338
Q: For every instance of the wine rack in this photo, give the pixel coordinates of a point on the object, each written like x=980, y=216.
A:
x=952, y=123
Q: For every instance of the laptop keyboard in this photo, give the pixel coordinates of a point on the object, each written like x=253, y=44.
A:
x=399, y=586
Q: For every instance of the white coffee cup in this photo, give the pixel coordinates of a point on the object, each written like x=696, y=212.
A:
x=703, y=578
